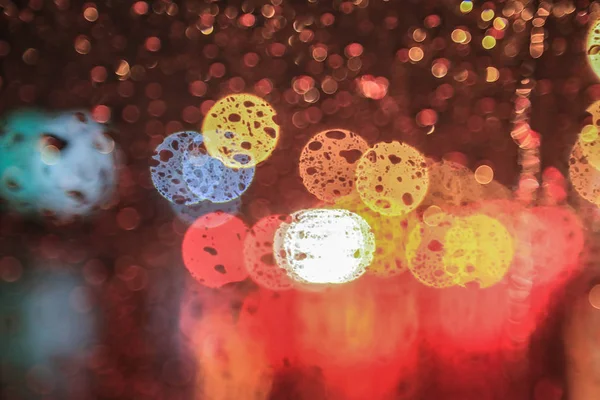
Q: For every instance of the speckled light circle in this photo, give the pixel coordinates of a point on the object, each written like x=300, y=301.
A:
x=593, y=47
x=208, y=178
x=167, y=168
x=328, y=162
x=324, y=246
x=241, y=130
x=57, y=165
x=258, y=254
x=392, y=178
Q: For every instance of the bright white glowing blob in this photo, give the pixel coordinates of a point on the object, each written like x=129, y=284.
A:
x=324, y=246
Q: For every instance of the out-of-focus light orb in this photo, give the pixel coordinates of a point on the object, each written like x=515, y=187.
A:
x=57, y=165
x=484, y=174
x=392, y=178
x=488, y=42
x=391, y=235
x=593, y=47
x=584, y=177
x=213, y=252
x=466, y=6
x=166, y=168
x=425, y=251
x=328, y=162
x=241, y=130
x=258, y=254
x=590, y=145
x=209, y=179
x=478, y=248
x=323, y=246
x=594, y=297
x=190, y=213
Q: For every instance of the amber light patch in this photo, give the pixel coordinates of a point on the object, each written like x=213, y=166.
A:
x=392, y=178
x=328, y=162
x=213, y=253
x=258, y=254
x=241, y=130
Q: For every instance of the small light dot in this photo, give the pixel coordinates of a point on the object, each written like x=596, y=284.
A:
x=484, y=174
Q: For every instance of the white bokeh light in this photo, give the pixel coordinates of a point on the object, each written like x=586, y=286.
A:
x=324, y=246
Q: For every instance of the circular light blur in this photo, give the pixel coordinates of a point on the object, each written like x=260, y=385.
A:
x=166, y=168
x=258, y=254
x=392, y=178
x=241, y=130
x=328, y=162
x=324, y=246
x=209, y=179
x=425, y=251
x=593, y=47
x=213, y=251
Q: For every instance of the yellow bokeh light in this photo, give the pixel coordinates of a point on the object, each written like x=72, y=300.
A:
x=500, y=23
x=492, y=74
x=392, y=178
x=391, y=235
x=484, y=174
x=459, y=36
x=593, y=47
x=241, y=130
x=416, y=54
x=488, y=42
x=590, y=145
x=439, y=69
x=589, y=133
x=429, y=215
x=487, y=15
x=466, y=6
x=328, y=161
